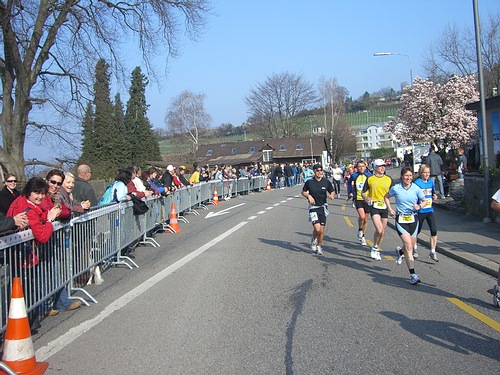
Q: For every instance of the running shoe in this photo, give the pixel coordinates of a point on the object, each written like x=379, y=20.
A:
x=374, y=253
x=399, y=255
x=496, y=296
x=360, y=235
x=433, y=256
x=363, y=241
x=414, y=279
x=415, y=253
x=319, y=250
x=314, y=244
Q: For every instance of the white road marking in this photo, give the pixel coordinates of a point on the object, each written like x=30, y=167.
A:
x=252, y=217
x=74, y=333
x=261, y=212
x=269, y=208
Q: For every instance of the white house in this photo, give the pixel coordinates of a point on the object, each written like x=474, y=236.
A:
x=372, y=137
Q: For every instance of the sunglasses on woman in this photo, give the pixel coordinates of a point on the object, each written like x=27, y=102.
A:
x=11, y=181
x=54, y=182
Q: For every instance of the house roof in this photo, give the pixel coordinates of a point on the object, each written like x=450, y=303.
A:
x=490, y=102
x=251, y=151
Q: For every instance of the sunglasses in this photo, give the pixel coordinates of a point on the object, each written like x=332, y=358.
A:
x=11, y=181
x=53, y=182
x=319, y=170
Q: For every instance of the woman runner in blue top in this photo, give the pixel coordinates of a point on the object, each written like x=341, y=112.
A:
x=409, y=200
x=427, y=211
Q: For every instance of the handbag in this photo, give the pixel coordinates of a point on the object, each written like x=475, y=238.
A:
x=139, y=206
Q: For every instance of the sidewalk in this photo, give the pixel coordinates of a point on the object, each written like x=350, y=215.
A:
x=464, y=238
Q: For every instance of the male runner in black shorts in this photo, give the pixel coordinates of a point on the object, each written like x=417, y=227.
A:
x=317, y=190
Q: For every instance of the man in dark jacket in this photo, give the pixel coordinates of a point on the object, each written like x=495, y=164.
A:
x=83, y=191
x=13, y=222
x=436, y=166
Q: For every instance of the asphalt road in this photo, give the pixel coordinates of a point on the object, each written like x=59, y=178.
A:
x=241, y=293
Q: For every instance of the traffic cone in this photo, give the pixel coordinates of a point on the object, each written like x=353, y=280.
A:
x=18, y=351
x=174, y=224
x=268, y=187
x=216, y=197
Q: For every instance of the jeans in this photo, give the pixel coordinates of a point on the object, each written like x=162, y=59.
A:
x=438, y=185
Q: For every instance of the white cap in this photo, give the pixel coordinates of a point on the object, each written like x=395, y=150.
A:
x=378, y=162
x=170, y=168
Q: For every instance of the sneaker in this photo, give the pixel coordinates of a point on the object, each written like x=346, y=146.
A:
x=360, y=235
x=319, y=250
x=314, y=244
x=374, y=253
x=415, y=253
x=414, y=279
x=399, y=255
x=433, y=256
x=496, y=296
x=377, y=254
x=415, y=247
x=363, y=241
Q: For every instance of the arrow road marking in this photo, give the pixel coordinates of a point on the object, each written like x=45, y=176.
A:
x=222, y=212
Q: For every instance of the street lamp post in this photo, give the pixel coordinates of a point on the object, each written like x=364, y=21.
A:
x=399, y=54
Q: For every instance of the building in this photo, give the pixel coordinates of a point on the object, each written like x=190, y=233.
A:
x=265, y=152
x=372, y=137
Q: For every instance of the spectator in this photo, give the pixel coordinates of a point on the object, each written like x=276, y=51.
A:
x=462, y=163
x=122, y=179
x=177, y=182
x=182, y=171
x=83, y=191
x=435, y=163
x=154, y=183
x=195, y=177
x=288, y=171
x=139, y=185
x=9, y=193
x=13, y=223
x=54, y=181
x=167, y=180
x=131, y=187
x=66, y=194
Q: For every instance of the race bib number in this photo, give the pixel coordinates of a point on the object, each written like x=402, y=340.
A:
x=380, y=205
x=313, y=216
x=359, y=185
x=406, y=219
x=429, y=203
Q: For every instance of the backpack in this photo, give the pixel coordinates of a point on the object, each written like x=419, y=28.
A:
x=109, y=196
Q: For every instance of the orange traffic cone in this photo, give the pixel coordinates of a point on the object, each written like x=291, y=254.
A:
x=216, y=197
x=18, y=352
x=173, y=226
x=268, y=187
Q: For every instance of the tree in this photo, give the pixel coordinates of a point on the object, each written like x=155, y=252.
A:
x=187, y=116
x=138, y=129
x=436, y=113
x=276, y=101
x=454, y=53
x=340, y=135
x=50, y=48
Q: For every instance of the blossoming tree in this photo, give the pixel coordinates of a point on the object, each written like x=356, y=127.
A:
x=436, y=113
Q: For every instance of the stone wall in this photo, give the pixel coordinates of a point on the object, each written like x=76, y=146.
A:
x=474, y=195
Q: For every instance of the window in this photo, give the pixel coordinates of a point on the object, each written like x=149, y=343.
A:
x=252, y=150
x=234, y=150
x=282, y=148
x=209, y=152
x=267, y=155
x=298, y=147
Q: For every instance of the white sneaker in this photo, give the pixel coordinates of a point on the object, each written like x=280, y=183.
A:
x=399, y=256
x=414, y=279
x=319, y=250
x=363, y=241
x=415, y=253
x=374, y=253
x=360, y=235
x=378, y=256
x=433, y=256
x=314, y=244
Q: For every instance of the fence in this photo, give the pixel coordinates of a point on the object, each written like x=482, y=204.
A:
x=92, y=239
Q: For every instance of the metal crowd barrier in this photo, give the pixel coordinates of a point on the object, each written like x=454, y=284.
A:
x=95, y=239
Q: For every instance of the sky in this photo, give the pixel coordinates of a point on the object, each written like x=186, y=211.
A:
x=247, y=41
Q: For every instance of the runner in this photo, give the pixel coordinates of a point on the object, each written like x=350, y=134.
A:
x=337, y=174
x=427, y=212
x=355, y=186
x=409, y=200
x=374, y=191
x=317, y=190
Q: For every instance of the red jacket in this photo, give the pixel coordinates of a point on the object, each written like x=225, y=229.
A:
x=37, y=218
x=132, y=189
x=47, y=204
